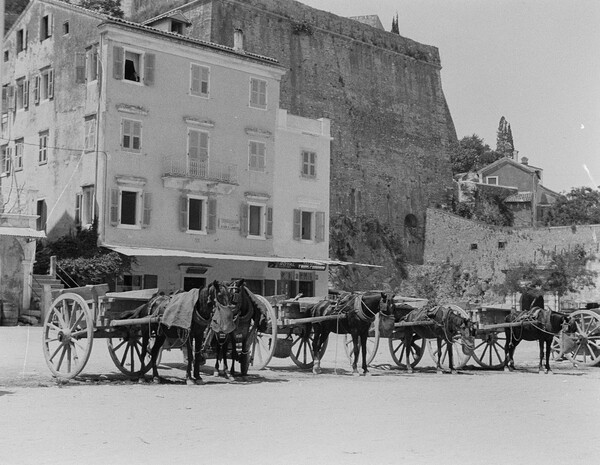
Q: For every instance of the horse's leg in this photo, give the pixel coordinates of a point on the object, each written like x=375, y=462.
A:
x=356, y=349
x=217, y=354
x=408, y=340
x=158, y=343
x=449, y=346
x=438, y=368
x=226, y=343
x=189, y=344
x=541, y=344
x=145, y=342
x=197, y=349
x=317, y=343
x=509, y=351
x=233, y=353
x=363, y=348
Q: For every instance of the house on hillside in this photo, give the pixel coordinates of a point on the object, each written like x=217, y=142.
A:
x=176, y=145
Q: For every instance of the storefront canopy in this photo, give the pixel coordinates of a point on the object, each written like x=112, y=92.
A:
x=21, y=232
x=157, y=252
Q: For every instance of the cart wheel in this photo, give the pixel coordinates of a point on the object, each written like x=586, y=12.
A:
x=372, y=343
x=302, y=348
x=125, y=349
x=68, y=335
x=459, y=358
x=263, y=343
x=587, y=344
x=398, y=351
x=489, y=352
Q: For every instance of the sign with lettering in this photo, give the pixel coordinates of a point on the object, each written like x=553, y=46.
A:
x=225, y=223
x=298, y=266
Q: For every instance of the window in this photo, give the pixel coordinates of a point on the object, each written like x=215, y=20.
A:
x=91, y=60
x=19, y=146
x=256, y=156
x=131, y=139
x=5, y=159
x=65, y=28
x=199, y=80
x=197, y=152
x=8, y=101
x=90, y=133
x=42, y=213
x=6, y=55
x=130, y=207
x=45, y=27
x=21, y=40
x=258, y=93
x=22, y=94
x=198, y=214
x=133, y=66
x=309, y=164
x=501, y=244
x=177, y=27
x=255, y=220
x=47, y=84
x=492, y=180
x=473, y=246
x=309, y=225
x=43, y=148
x=84, y=209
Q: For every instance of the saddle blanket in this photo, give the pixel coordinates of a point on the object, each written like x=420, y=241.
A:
x=178, y=312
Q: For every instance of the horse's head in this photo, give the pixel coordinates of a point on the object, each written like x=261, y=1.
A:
x=387, y=317
x=218, y=292
x=464, y=327
x=568, y=324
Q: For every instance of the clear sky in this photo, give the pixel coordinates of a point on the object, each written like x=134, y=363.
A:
x=535, y=62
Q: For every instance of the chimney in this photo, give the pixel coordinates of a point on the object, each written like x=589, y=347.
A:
x=238, y=40
x=525, y=161
x=516, y=155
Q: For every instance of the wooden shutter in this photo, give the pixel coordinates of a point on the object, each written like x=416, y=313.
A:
x=50, y=24
x=147, y=197
x=79, y=67
x=211, y=227
x=25, y=94
x=118, y=57
x=10, y=95
x=244, y=219
x=269, y=225
x=320, y=227
x=149, y=59
x=297, y=233
x=50, y=83
x=183, y=213
x=78, y=200
x=36, y=89
x=195, y=80
x=114, y=207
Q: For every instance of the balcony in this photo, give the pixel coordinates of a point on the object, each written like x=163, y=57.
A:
x=205, y=170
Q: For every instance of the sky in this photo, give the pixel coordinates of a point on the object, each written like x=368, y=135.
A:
x=535, y=62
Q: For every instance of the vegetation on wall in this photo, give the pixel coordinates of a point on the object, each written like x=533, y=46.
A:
x=79, y=259
x=471, y=154
x=107, y=7
x=580, y=206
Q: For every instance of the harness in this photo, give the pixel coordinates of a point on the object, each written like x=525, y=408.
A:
x=362, y=311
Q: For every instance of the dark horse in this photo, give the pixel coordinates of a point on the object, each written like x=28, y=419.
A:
x=440, y=323
x=240, y=322
x=203, y=308
x=537, y=324
x=355, y=313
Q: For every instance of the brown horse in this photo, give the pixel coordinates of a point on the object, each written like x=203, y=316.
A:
x=202, y=304
x=537, y=324
x=442, y=324
x=355, y=314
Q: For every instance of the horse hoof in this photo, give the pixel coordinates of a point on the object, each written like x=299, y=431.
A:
x=355, y=373
x=216, y=373
x=141, y=381
x=453, y=372
x=156, y=380
x=189, y=382
x=199, y=382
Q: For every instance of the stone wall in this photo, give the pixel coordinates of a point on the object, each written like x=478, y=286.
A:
x=488, y=250
x=391, y=126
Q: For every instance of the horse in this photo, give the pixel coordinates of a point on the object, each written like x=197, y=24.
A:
x=356, y=312
x=537, y=324
x=239, y=323
x=442, y=324
x=203, y=307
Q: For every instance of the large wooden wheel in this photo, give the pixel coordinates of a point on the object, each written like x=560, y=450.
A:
x=459, y=357
x=126, y=352
x=398, y=350
x=68, y=335
x=372, y=343
x=489, y=350
x=262, y=344
x=586, y=348
x=302, y=348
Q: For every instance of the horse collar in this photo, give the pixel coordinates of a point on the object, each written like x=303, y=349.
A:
x=359, y=307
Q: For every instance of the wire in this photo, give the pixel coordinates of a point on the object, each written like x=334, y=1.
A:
x=48, y=147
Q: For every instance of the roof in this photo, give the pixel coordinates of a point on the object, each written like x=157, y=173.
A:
x=21, y=232
x=173, y=14
x=520, y=197
x=510, y=161
x=160, y=252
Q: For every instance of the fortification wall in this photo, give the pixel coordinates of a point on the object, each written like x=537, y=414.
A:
x=391, y=126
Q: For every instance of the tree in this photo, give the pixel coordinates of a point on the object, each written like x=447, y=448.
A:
x=472, y=154
x=395, y=28
x=580, y=206
x=504, y=140
x=108, y=7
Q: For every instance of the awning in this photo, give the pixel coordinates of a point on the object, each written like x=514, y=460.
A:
x=21, y=232
x=158, y=252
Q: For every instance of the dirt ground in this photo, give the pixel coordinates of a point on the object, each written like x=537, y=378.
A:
x=285, y=415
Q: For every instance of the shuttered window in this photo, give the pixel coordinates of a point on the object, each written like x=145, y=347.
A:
x=258, y=93
x=199, y=80
x=131, y=135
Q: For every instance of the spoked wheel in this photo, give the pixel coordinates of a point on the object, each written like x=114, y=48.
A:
x=262, y=343
x=302, y=348
x=398, y=351
x=585, y=345
x=458, y=356
x=372, y=343
x=68, y=335
x=489, y=351
x=126, y=352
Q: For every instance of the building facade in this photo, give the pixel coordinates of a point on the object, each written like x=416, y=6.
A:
x=176, y=145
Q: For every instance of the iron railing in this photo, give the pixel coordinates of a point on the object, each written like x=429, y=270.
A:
x=198, y=169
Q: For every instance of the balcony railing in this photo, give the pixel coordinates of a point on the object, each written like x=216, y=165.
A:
x=195, y=169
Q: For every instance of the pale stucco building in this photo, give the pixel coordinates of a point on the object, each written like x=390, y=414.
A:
x=178, y=147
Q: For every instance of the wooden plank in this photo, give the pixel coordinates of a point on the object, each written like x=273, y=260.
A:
x=136, y=321
x=405, y=324
x=314, y=319
x=503, y=325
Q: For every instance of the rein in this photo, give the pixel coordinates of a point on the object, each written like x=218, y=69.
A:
x=360, y=312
